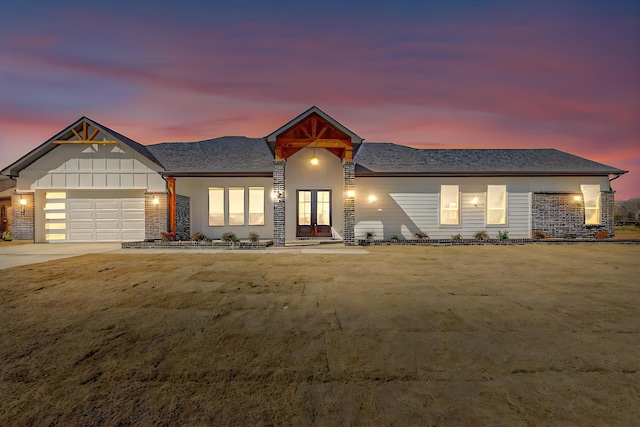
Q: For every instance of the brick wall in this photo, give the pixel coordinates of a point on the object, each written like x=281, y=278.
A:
x=183, y=217
x=348, y=234
x=557, y=214
x=155, y=216
x=278, y=203
x=22, y=217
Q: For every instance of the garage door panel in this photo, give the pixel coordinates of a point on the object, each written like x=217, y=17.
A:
x=133, y=204
x=132, y=215
x=81, y=225
x=81, y=236
x=80, y=204
x=107, y=214
x=132, y=225
x=107, y=225
x=105, y=236
x=78, y=215
x=107, y=204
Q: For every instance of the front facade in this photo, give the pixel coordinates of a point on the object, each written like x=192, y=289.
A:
x=311, y=179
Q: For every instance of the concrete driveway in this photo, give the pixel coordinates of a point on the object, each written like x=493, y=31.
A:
x=16, y=254
x=13, y=255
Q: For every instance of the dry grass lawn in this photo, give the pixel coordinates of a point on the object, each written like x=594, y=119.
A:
x=481, y=335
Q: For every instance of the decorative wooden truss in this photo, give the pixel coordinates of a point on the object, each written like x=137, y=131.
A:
x=81, y=132
x=314, y=131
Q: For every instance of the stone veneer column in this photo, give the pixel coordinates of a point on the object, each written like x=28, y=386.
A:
x=23, y=217
x=348, y=234
x=155, y=216
x=278, y=203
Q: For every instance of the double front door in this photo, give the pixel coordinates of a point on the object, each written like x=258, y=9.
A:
x=314, y=213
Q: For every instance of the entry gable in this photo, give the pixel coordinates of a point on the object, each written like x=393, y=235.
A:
x=313, y=128
x=83, y=132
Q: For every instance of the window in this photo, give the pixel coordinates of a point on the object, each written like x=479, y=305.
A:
x=304, y=207
x=256, y=205
x=236, y=206
x=496, y=204
x=591, y=196
x=216, y=206
x=449, y=205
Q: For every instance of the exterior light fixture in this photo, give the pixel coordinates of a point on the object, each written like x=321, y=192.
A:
x=276, y=195
x=351, y=194
x=372, y=198
x=23, y=201
x=314, y=160
x=474, y=201
x=156, y=201
x=577, y=198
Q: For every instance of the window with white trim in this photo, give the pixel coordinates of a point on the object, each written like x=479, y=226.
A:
x=496, y=204
x=216, y=207
x=591, y=196
x=256, y=205
x=449, y=205
x=236, y=206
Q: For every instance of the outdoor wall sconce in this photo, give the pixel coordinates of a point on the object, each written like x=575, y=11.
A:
x=577, y=198
x=156, y=201
x=23, y=201
x=351, y=194
x=276, y=195
x=372, y=198
x=474, y=201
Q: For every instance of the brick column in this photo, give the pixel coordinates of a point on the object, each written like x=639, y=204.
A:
x=348, y=234
x=278, y=203
x=155, y=215
x=608, y=206
x=23, y=217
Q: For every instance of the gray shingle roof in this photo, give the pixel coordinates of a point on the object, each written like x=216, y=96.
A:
x=229, y=154
x=388, y=158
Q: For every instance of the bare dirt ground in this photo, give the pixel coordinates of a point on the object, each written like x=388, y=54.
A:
x=473, y=335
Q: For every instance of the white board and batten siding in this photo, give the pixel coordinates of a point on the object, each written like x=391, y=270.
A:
x=91, y=193
x=404, y=214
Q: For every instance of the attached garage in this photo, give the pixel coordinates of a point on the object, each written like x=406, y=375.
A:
x=94, y=216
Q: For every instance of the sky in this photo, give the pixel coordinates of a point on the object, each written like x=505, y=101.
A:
x=428, y=74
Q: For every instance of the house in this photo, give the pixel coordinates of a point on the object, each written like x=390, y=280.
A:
x=312, y=178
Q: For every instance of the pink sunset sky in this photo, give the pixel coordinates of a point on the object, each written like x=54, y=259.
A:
x=457, y=74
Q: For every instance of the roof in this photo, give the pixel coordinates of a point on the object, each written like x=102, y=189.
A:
x=226, y=155
x=393, y=159
x=47, y=146
x=6, y=183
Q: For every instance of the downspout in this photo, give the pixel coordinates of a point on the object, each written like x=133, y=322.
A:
x=616, y=176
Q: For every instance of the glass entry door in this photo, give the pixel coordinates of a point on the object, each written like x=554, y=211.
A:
x=314, y=213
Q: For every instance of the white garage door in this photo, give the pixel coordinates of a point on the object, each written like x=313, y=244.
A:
x=95, y=216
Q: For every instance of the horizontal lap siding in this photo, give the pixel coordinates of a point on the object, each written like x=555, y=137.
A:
x=405, y=213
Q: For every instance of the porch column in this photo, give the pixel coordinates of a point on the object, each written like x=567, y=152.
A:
x=171, y=188
x=348, y=234
x=278, y=203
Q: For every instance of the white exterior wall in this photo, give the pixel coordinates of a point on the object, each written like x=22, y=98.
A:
x=198, y=190
x=404, y=206
x=95, y=166
x=300, y=174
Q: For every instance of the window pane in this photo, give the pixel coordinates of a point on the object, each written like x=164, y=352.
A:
x=496, y=204
x=591, y=196
x=449, y=205
x=304, y=207
x=216, y=206
x=236, y=206
x=256, y=205
x=323, y=208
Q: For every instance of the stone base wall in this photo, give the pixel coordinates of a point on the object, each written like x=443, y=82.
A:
x=155, y=215
x=22, y=217
x=558, y=214
x=183, y=217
